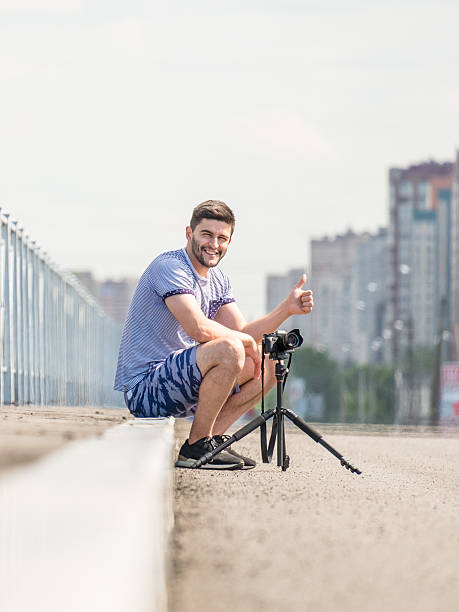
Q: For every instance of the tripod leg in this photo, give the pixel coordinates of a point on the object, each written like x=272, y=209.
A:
x=272, y=440
x=280, y=440
x=301, y=423
x=285, y=457
x=280, y=377
x=238, y=435
x=317, y=437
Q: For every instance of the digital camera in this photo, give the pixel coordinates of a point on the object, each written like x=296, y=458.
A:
x=281, y=342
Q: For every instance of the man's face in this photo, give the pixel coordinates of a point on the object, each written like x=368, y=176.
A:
x=209, y=241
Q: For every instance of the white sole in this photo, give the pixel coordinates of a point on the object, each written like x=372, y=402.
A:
x=184, y=462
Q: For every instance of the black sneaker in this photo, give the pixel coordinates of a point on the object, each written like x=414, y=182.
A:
x=223, y=461
x=248, y=463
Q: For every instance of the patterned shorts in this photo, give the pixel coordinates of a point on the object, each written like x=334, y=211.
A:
x=170, y=388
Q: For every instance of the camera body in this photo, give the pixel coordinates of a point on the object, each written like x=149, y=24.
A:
x=281, y=343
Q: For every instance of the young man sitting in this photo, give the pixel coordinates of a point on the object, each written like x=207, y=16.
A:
x=186, y=348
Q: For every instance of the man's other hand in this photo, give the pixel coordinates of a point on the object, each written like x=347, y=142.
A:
x=253, y=351
x=300, y=301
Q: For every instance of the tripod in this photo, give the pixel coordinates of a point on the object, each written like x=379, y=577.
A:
x=278, y=415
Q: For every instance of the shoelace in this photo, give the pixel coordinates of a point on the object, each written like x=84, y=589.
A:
x=222, y=438
x=212, y=444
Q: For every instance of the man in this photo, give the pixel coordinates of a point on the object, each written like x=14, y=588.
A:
x=187, y=350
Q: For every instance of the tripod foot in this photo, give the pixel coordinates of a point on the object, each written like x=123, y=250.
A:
x=347, y=464
x=286, y=463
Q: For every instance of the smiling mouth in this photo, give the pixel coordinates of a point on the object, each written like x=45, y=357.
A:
x=211, y=253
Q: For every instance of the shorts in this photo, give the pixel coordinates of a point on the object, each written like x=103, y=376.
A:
x=170, y=387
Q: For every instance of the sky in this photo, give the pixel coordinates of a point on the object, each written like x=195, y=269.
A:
x=117, y=118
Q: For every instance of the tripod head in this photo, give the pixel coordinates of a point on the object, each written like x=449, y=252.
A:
x=281, y=344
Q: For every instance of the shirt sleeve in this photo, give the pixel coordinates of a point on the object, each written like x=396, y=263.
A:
x=225, y=296
x=170, y=277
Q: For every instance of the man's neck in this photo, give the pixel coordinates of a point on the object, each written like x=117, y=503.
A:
x=200, y=269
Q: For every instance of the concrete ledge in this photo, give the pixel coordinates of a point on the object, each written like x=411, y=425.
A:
x=86, y=528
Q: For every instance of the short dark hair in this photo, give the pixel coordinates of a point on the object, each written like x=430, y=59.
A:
x=213, y=209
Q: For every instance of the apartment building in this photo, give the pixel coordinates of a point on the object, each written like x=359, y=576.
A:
x=335, y=320
x=419, y=253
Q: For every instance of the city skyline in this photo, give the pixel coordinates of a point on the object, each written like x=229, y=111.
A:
x=118, y=119
x=390, y=291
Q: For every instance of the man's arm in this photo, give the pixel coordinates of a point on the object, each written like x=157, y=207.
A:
x=187, y=312
x=298, y=301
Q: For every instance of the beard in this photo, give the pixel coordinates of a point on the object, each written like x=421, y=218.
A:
x=198, y=253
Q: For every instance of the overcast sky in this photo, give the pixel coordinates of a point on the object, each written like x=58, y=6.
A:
x=117, y=117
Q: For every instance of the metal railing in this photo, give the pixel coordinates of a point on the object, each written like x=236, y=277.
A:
x=57, y=346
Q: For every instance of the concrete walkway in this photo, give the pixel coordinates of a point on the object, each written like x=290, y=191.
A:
x=28, y=433
x=317, y=537
x=85, y=528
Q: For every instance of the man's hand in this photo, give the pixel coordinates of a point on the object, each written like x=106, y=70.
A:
x=253, y=351
x=298, y=300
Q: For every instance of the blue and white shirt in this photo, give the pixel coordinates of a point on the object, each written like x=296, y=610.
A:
x=151, y=331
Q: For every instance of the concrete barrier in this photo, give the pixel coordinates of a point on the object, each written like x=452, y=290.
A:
x=86, y=529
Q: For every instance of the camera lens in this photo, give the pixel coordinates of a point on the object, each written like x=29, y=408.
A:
x=294, y=340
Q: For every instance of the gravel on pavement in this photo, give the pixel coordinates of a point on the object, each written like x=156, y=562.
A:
x=317, y=537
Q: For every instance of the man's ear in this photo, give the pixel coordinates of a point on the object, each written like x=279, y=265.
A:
x=188, y=232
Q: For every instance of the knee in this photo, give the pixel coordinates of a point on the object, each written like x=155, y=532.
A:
x=233, y=354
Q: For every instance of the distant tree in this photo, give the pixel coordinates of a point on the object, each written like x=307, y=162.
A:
x=384, y=394
x=347, y=388
x=421, y=360
x=369, y=393
x=321, y=374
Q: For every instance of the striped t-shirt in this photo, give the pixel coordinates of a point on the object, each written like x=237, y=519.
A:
x=151, y=331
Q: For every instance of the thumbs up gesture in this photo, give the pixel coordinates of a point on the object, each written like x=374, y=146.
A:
x=300, y=301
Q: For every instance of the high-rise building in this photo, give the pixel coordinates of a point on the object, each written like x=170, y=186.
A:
x=113, y=296
x=370, y=274
x=335, y=320
x=420, y=253
x=278, y=287
x=87, y=279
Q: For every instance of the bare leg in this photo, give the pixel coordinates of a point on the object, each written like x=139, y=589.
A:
x=239, y=403
x=220, y=361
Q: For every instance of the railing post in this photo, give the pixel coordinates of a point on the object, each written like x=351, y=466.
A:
x=46, y=328
x=14, y=317
x=34, y=318
x=7, y=363
x=41, y=328
x=27, y=325
x=21, y=317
